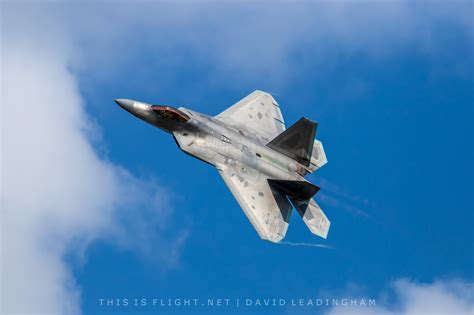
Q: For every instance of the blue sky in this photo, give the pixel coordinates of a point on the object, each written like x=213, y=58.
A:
x=391, y=86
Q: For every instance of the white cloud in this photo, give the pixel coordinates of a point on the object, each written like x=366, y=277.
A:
x=57, y=193
x=406, y=297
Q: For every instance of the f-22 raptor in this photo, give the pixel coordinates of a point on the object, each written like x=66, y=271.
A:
x=263, y=163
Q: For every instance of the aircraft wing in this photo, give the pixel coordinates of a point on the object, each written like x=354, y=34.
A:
x=267, y=209
x=257, y=113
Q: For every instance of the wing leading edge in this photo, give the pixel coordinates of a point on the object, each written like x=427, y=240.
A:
x=257, y=113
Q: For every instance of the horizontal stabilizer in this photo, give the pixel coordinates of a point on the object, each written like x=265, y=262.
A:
x=297, y=141
x=313, y=216
x=318, y=157
x=302, y=190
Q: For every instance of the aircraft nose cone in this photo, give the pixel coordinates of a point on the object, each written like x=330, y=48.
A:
x=125, y=104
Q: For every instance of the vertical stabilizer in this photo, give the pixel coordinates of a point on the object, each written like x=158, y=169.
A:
x=297, y=141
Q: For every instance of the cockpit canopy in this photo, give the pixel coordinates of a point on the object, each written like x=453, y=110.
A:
x=171, y=113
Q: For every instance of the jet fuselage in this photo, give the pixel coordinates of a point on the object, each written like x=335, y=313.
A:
x=210, y=140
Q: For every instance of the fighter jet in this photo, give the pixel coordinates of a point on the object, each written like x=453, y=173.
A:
x=263, y=163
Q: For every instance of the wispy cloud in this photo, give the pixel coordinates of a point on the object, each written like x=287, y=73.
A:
x=261, y=43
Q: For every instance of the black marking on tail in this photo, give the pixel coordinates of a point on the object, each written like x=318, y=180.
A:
x=283, y=203
x=297, y=141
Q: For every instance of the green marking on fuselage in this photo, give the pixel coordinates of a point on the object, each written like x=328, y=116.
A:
x=275, y=162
